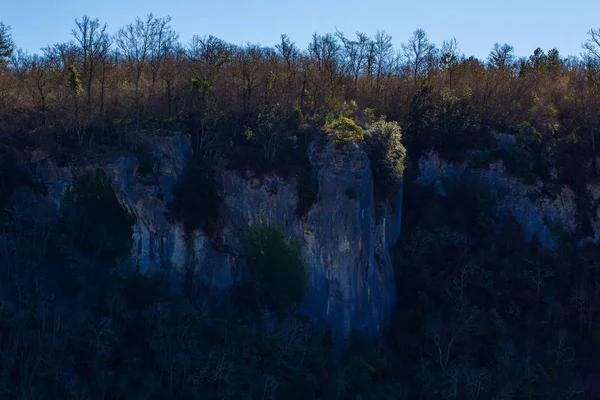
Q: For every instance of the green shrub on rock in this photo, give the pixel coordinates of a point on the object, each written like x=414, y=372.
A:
x=275, y=268
x=196, y=200
x=344, y=129
x=523, y=157
x=383, y=141
x=93, y=219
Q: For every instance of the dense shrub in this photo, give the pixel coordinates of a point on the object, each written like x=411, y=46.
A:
x=344, y=129
x=419, y=122
x=524, y=157
x=93, y=219
x=196, y=200
x=145, y=160
x=570, y=153
x=458, y=128
x=308, y=189
x=450, y=126
x=469, y=284
x=141, y=291
x=275, y=268
x=12, y=176
x=387, y=154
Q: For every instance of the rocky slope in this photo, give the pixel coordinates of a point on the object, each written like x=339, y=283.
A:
x=345, y=241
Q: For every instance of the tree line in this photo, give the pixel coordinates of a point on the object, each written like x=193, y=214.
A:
x=99, y=85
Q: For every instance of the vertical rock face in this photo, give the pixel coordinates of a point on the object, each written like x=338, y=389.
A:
x=345, y=239
x=352, y=281
x=345, y=247
x=538, y=210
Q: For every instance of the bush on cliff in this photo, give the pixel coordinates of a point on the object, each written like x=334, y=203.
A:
x=275, y=268
x=93, y=219
x=344, y=129
x=195, y=198
x=388, y=157
x=450, y=126
x=525, y=157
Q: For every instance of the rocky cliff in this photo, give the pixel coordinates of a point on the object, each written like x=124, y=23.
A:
x=345, y=239
x=541, y=210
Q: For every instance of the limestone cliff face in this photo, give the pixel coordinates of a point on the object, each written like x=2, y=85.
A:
x=538, y=210
x=345, y=248
x=345, y=241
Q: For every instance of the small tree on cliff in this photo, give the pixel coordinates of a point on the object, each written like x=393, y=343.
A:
x=383, y=141
x=93, y=219
x=74, y=83
x=344, y=129
x=275, y=267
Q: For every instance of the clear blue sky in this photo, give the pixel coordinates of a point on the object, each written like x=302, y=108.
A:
x=477, y=24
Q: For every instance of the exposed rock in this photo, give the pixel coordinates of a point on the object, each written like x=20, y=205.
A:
x=536, y=210
x=351, y=277
x=345, y=248
x=352, y=280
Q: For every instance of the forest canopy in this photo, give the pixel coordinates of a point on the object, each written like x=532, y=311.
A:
x=94, y=89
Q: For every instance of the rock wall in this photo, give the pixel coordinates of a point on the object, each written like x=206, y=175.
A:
x=345, y=248
x=538, y=210
x=345, y=241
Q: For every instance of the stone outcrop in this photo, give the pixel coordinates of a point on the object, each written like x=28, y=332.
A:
x=345, y=248
x=345, y=240
x=538, y=210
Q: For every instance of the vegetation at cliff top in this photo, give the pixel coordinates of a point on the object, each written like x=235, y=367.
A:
x=388, y=158
x=344, y=129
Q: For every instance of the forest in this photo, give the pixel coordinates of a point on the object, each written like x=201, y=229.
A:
x=481, y=313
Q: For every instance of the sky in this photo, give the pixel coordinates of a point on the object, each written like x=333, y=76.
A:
x=476, y=24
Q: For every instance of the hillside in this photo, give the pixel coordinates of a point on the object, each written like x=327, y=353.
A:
x=346, y=221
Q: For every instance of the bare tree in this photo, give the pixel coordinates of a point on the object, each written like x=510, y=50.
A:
x=209, y=55
x=502, y=57
x=383, y=54
x=288, y=51
x=135, y=41
x=169, y=73
x=94, y=45
x=290, y=54
x=356, y=54
x=210, y=51
x=20, y=63
x=106, y=64
x=248, y=62
x=325, y=51
x=449, y=58
x=417, y=52
x=164, y=41
x=44, y=77
x=592, y=45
